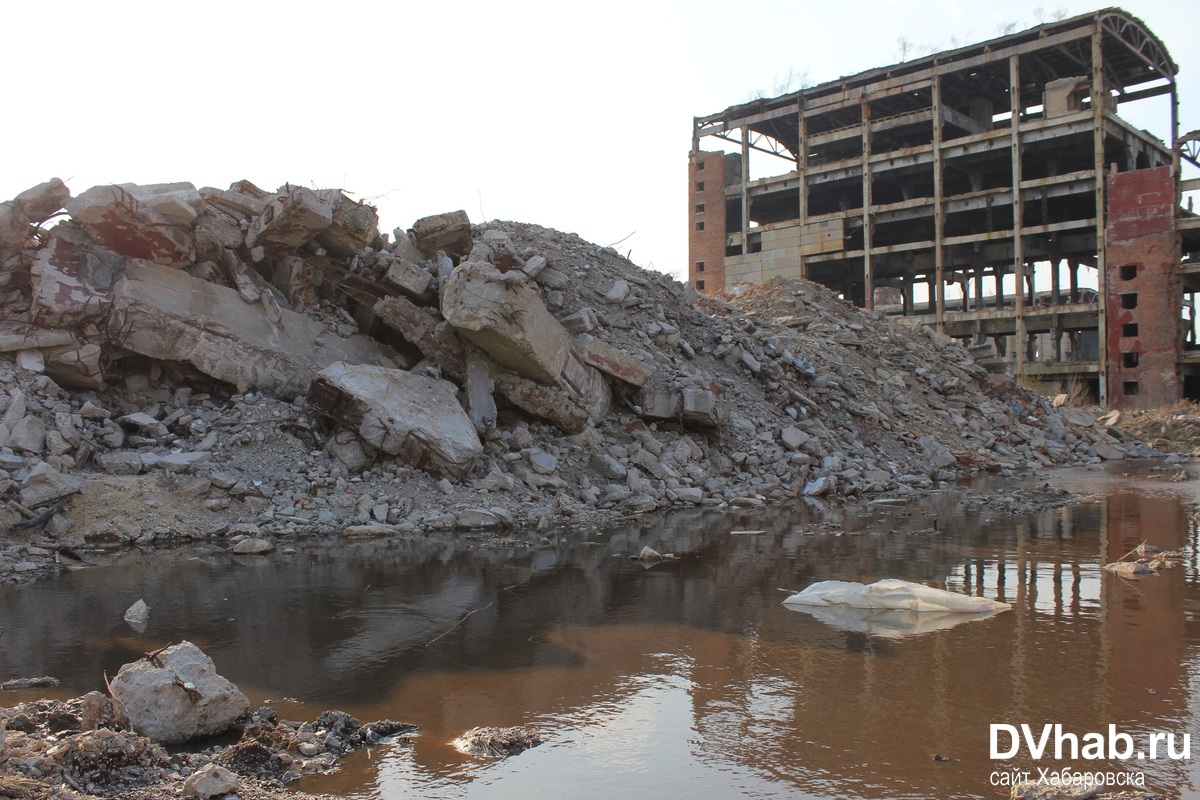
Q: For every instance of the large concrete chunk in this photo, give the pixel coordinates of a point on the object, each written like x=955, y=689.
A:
x=116, y=219
x=168, y=315
x=449, y=232
x=402, y=414
x=353, y=227
x=612, y=361
x=507, y=320
x=291, y=221
x=71, y=279
x=176, y=695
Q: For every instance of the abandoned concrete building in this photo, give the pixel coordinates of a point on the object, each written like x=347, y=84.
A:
x=989, y=171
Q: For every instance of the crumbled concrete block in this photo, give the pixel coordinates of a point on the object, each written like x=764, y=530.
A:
x=115, y=219
x=612, y=361
x=411, y=416
x=353, y=227
x=449, y=232
x=292, y=220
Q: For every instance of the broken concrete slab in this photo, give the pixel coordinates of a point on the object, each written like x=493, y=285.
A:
x=115, y=219
x=402, y=414
x=505, y=318
x=612, y=361
x=168, y=315
x=291, y=221
x=449, y=232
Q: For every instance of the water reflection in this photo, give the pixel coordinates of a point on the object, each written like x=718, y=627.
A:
x=689, y=677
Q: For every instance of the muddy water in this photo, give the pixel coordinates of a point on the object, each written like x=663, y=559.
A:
x=690, y=678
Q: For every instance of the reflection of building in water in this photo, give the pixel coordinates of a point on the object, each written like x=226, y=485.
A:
x=1145, y=637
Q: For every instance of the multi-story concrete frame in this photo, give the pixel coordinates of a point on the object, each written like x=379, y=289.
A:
x=983, y=164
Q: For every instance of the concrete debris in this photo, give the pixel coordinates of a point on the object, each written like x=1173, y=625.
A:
x=284, y=364
x=175, y=695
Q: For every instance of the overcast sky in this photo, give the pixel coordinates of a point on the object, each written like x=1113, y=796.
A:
x=569, y=115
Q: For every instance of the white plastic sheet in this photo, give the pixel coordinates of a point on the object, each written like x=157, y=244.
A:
x=890, y=608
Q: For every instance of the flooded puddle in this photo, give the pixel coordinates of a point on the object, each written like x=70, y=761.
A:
x=688, y=678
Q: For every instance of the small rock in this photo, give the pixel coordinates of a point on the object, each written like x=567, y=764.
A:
x=137, y=615
x=252, y=545
x=209, y=781
x=542, y=462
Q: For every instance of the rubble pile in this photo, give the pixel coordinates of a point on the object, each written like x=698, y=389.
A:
x=105, y=746
x=244, y=364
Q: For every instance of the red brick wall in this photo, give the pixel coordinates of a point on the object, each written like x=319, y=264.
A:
x=706, y=247
x=1141, y=260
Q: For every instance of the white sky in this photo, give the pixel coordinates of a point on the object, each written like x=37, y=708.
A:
x=570, y=115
